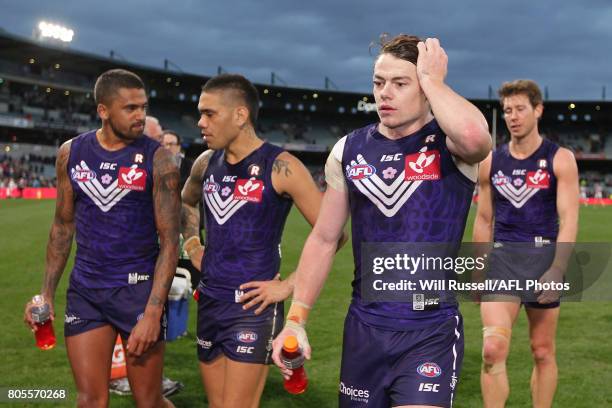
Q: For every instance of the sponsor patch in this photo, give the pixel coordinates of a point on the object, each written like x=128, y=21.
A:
x=538, y=179
x=424, y=165
x=248, y=190
x=205, y=344
x=132, y=178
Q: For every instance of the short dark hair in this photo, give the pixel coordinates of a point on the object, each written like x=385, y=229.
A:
x=402, y=46
x=240, y=85
x=110, y=81
x=173, y=133
x=525, y=87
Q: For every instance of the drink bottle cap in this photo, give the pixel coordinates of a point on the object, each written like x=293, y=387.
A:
x=290, y=344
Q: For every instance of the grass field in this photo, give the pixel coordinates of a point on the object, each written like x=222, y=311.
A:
x=584, y=346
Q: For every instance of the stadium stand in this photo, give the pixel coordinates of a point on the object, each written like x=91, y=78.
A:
x=46, y=98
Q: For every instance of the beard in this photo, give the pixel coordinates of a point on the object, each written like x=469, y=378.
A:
x=121, y=135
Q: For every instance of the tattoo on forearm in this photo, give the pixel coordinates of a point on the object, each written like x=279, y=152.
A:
x=58, y=250
x=62, y=230
x=155, y=301
x=190, y=221
x=167, y=204
x=281, y=166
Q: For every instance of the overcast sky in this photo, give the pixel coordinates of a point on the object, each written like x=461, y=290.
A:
x=565, y=46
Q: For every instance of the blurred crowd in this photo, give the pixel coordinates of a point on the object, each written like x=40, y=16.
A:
x=27, y=171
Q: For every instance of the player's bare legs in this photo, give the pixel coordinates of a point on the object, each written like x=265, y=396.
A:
x=542, y=333
x=213, y=379
x=145, y=377
x=90, y=354
x=247, y=382
x=497, y=321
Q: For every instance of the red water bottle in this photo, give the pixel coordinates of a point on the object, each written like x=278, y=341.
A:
x=41, y=314
x=294, y=359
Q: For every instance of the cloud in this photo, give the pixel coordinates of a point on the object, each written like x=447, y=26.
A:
x=563, y=46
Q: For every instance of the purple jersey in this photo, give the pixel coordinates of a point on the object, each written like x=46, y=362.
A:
x=525, y=195
x=116, y=236
x=405, y=190
x=244, y=220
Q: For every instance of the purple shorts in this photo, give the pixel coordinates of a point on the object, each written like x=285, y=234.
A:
x=385, y=368
x=121, y=308
x=223, y=327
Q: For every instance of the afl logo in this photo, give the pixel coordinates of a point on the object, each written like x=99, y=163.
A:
x=360, y=171
x=82, y=176
x=211, y=187
x=246, y=336
x=429, y=370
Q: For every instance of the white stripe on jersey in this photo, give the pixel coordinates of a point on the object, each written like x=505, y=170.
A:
x=518, y=197
x=221, y=209
x=104, y=198
x=388, y=198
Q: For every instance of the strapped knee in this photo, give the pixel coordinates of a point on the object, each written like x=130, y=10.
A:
x=503, y=333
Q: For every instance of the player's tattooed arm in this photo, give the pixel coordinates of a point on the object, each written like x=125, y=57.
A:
x=190, y=211
x=191, y=195
x=280, y=166
x=291, y=177
x=60, y=236
x=62, y=229
x=167, y=204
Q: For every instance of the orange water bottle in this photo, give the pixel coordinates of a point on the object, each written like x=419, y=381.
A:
x=294, y=359
x=41, y=314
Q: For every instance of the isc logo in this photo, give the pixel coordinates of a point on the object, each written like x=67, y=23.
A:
x=391, y=157
x=245, y=349
x=360, y=171
x=229, y=179
x=108, y=166
x=427, y=387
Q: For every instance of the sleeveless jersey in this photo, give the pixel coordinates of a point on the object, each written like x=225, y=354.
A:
x=404, y=191
x=525, y=195
x=116, y=236
x=244, y=221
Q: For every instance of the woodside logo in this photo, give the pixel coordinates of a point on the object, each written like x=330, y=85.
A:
x=423, y=165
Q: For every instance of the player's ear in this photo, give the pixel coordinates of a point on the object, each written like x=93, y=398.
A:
x=102, y=111
x=539, y=109
x=241, y=116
